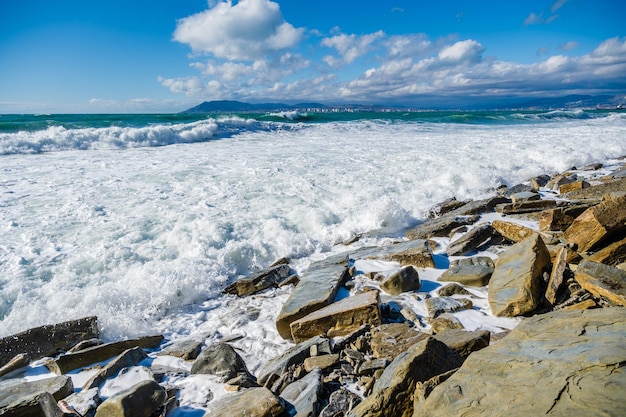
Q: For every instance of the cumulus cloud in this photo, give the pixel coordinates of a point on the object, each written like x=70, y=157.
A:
x=247, y=30
x=350, y=47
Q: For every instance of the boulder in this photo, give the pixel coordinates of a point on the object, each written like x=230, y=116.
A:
x=516, y=286
x=47, y=340
x=463, y=341
x=470, y=241
x=339, y=318
x=317, y=288
x=439, y=305
x=390, y=340
x=259, y=281
x=321, y=362
x=562, y=217
x=304, y=395
x=514, y=232
x=274, y=368
x=443, y=322
x=19, y=397
x=392, y=393
x=539, y=181
x=128, y=358
x=564, y=363
x=573, y=186
x=405, y=280
x=613, y=254
x=340, y=402
x=475, y=271
x=253, y=402
x=452, y=289
x=184, y=349
x=599, y=223
x=221, y=360
x=602, y=281
x=140, y=400
x=99, y=353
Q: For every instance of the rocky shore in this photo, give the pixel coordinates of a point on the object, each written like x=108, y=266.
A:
x=549, y=253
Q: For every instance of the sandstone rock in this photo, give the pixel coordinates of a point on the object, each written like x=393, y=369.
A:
x=470, y=241
x=423, y=389
x=439, y=305
x=452, y=289
x=317, y=288
x=254, y=402
x=340, y=403
x=443, y=322
x=219, y=359
x=540, y=181
x=339, y=318
x=100, y=353
x=512, y=231
x=525, y=206
x=23, y=398
x=613, y=254
x=598, y=191
x=47, y=340
x=562, y=179
x=141, y=400
x=274, y=368
x=557, y=275
x=84, y=402
x=464, y=342
x=412, y=252
x=573, y=186
x=564, y=363
x=602, y=281
x=320, y=362
x=475, y=271
x=184, y=349
x=392, y=392
x=390, y=340
x=251, y=284
x=405, y=280
x=368, y=367
x=304, y=395
x=516, y=286
x=562, y=217
x=599, y=223
x=128, y=358
x=525, y=196
x=584, y=305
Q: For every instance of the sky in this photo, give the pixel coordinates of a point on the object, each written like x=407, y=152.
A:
x=134, y=56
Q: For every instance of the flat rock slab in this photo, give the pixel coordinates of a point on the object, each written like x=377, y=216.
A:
x=413, y=252
x=339, y=318
x=512, y=231
x=254, y=402
x=602, y=281
x=259, y=281
x=475, y=271
x=598, y=191
x=564, y=363
x=470, y=241
x=516, y=286
x=525, y=206
x=14, y=392
x=303, y=395
x=48, y=340
x=126, y=359
x=317, y=288
x=613, y=254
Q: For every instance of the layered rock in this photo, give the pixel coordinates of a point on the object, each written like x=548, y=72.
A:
x=602, y=281
x=475, y=271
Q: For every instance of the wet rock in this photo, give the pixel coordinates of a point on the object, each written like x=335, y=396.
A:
x=304, y=395
x=259, y=281
x=475, y=271
x=100, y=353
x=221, y=360
x=141, y=400
x=47, y=340
x=317, y=288
x=405, y=280
x=254, y=402
x=565, y=363
x=340, y=403
x=128, y=358
x=598, y=223
x=463, y=341
x=471, y=241
x=184, y=349
x=439, y=305
x=613, y=254
x=22, y=398
x=392, y=392
x=339, y=318
x=602, y=281
x=516, y=286
x=514, y=232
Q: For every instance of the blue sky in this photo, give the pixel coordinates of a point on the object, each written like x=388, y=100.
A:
x=162, y=56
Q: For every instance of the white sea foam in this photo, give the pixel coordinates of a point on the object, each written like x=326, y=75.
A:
x=146, y=237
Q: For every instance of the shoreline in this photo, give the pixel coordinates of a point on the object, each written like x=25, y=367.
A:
x=366, y=274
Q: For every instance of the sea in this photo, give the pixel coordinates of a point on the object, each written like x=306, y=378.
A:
x=143, y=219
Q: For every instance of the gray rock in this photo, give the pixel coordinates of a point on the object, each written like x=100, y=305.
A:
x=184, y=349
x=254, y=402
x=452, y=289
x=128, y=358
x=47, y=340
x=304, y=394
x=221, y=360
x=423, y=389
x=19, y=361
x=445, y=207
x=84, y=402
x=471, y=241
x=439, y=305
x=413, y=252
x=392, y=339
x=251, y=284
x=525, y=206
x=339, y=403
x=322, y=362
x=393, y=391
x=516, y=286
x=602, y=281
x=464, y=342
x=141, y=400
x=39, y=405
x=443, y=322
x=564, y=363
x=19, y=397
x=475, y=271
x=529, y=195
x=405, y=280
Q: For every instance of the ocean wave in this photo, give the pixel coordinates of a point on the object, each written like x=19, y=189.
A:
x=60, y=138
x=292, y=115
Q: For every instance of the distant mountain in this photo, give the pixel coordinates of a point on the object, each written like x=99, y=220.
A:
x=574, y=101
x=226, y=106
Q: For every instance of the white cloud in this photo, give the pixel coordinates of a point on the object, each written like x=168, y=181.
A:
x=351, y=47
x=534, y=19
x=568, y=46
x=247, y=30
x=557, y=5
x=462, y=51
